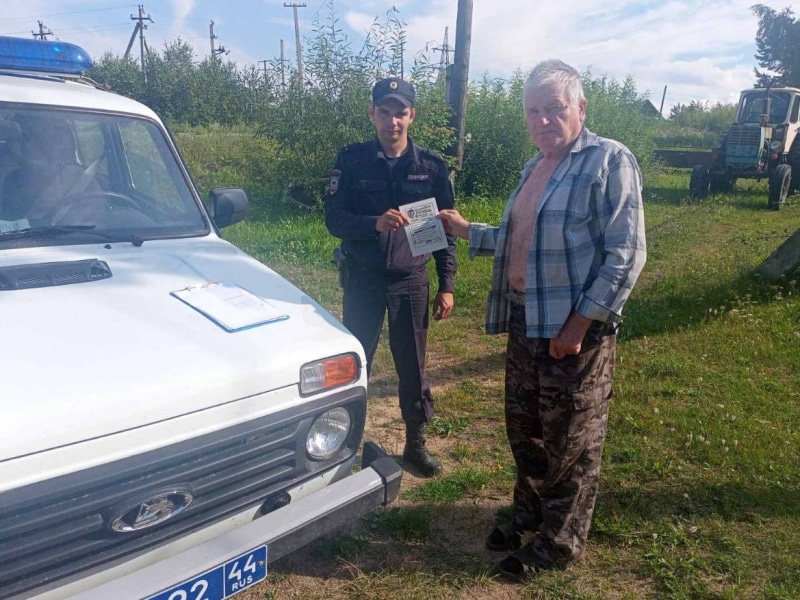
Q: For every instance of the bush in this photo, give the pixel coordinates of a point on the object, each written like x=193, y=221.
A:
x=614, y=110
x=499, y=143
x=235, y=156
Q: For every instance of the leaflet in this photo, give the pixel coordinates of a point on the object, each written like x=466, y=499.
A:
x=231, y=307
x=425, y=232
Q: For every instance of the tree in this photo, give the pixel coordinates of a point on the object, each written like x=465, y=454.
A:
x=778, y=44
x=122, y=75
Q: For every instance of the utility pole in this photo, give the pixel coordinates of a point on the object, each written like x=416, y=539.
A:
x=457, y=98
x=139, y=28
x=215, y=51
x=43, y=32
x=283, y=73
x=295, y=6
x=264, y=64
x=212, y=36
x=663, y=96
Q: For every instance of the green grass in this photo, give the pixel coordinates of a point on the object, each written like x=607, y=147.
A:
x=700, y=488
x=455, y=485
x=407, y=524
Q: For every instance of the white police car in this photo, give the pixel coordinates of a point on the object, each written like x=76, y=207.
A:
x=175, y=414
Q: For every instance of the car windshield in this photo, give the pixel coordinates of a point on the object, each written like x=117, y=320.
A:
x=754, y=105
x=73, y=177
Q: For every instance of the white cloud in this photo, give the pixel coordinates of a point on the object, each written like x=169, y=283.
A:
x=182, y=9
x=699, y=50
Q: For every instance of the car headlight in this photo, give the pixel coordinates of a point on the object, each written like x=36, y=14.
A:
x=328, y=433
x=775, y=146
x=328, y=373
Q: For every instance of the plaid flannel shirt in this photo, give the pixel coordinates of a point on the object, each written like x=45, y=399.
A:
x=588, y=244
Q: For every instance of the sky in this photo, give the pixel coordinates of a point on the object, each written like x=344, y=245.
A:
x=700, y=50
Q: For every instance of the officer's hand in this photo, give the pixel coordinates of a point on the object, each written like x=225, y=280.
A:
x=454, y=223
x=443, y=305
x=391, y=220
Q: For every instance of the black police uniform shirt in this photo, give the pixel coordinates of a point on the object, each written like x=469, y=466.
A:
x=363, y=186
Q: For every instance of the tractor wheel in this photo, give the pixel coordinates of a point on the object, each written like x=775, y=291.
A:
x=721, y=183
x=698, y=183
x=794, y=162
x=779, y=186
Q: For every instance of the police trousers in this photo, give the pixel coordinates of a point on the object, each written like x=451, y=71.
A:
x=368, y=297
x=556, y=419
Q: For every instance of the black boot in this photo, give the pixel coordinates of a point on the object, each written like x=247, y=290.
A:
x=415, y=451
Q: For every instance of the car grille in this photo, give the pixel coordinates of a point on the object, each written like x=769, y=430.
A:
x=53, y=529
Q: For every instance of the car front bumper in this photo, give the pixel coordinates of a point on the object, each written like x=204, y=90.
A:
x=282, y=531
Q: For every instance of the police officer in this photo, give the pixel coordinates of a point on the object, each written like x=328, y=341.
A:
x=368, y=184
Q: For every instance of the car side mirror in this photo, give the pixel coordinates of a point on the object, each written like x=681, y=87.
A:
x=227, y=206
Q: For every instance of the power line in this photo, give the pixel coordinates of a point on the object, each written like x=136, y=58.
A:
x=62, y=14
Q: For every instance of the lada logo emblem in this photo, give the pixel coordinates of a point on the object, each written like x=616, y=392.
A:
x=155, y=509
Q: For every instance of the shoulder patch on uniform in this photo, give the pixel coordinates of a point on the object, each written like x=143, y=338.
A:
x=335, y=177
x=419, y=177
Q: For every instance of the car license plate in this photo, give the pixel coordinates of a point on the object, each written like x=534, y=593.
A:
x=223, y=581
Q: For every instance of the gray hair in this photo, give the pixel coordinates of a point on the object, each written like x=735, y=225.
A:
x=558, y=74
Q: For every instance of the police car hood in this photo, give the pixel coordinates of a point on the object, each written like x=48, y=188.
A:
x=87, y=360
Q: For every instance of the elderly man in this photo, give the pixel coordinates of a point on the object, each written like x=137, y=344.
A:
x=380, y=274
x=567, y=253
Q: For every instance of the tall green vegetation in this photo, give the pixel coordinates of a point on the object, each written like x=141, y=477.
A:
x=497, y=143
x=702, y=116
x=615, y=111
x=182, y=90
x=330, y=111
x=695, y=125
x=302, y=122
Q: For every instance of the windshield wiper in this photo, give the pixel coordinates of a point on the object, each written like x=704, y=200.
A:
x=58, y=230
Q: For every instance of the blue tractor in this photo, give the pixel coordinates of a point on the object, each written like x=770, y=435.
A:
x=763, y=143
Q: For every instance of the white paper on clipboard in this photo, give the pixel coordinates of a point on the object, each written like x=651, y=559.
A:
x=230, y=306
x=425, y=232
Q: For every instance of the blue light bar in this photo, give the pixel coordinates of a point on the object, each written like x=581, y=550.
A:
x=22, y=54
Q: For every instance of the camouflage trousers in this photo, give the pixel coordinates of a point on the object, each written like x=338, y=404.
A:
x=556, y=418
